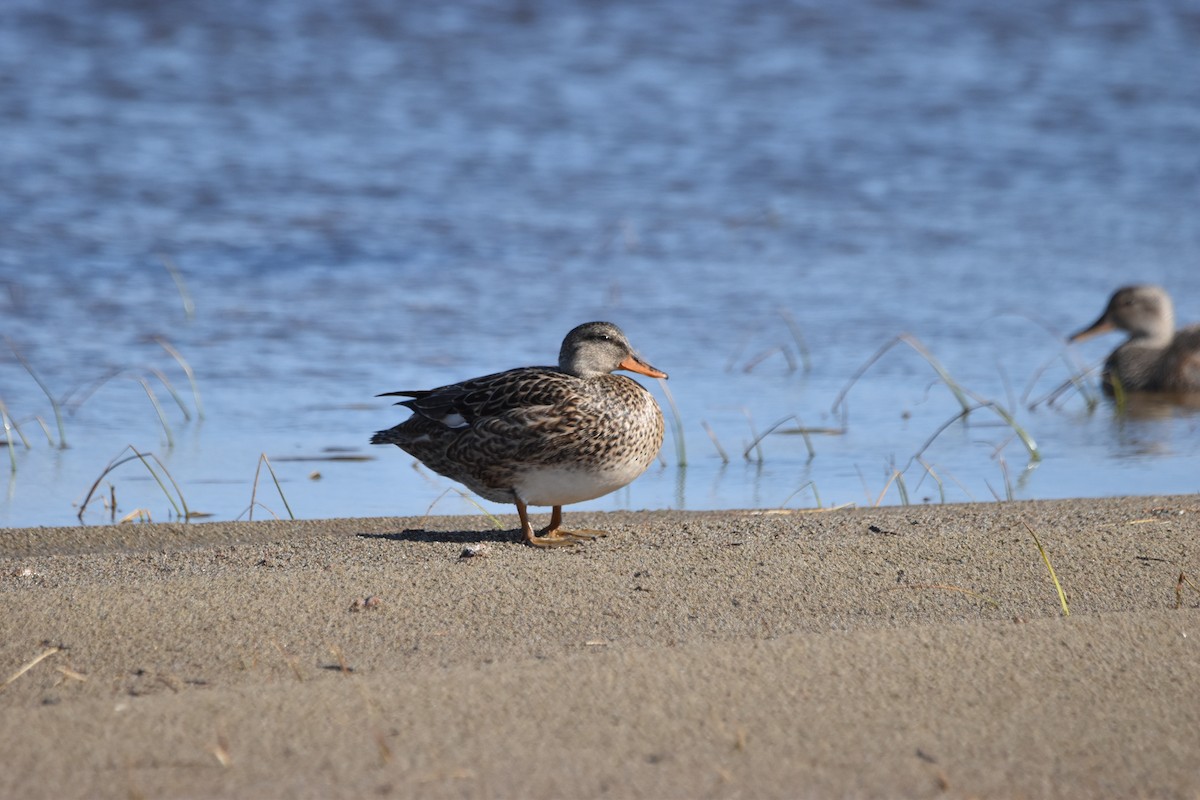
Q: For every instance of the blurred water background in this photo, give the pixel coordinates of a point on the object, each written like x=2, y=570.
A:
x=312, y=203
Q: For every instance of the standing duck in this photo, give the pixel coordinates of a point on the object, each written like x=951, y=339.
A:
x=1155, y=357
x=541, y=436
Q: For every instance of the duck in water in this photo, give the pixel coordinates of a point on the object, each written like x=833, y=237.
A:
x=1155, y=357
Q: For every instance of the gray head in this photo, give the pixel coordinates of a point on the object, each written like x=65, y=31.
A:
x=1144, y=312
x=598, y=348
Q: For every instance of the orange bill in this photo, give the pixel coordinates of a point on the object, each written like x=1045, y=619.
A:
x=1102, y=325
x=635, y=364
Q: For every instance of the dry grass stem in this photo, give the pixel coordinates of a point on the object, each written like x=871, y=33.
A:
x=896, y=477
x=262, y=459
x=9, y=426
x=806, y=485
x=189, y=307
x=756, y=443
x=798, y=337
x=799, y=429
x=54, y=404
x=187, y=370
x=340, y=655
x=162, y=418
x=712, y=435
x=117, y=461
x=158, y=373
x=71, y=675
x=1184, y=580
x=916, y=345
x=30, y=665
x=292, y=661
x=676, y=425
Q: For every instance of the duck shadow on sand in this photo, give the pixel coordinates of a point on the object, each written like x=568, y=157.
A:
x=447, y=537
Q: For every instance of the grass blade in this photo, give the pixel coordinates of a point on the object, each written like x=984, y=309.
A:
x=717, y=444
x=896, y=477
x=187, y=370
x=801, y=345
x=162, y=378
x=756, y=444
x=8, y=438
x=262, y=459
x=162, y=418
x=1062, y=597
x=118, y=461
x=676, y=425
x=189, y=307
x=921, y=350
x=806, y=485
x=54, y=404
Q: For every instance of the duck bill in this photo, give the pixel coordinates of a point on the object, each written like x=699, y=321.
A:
x=1102, y=325
x=635, y=364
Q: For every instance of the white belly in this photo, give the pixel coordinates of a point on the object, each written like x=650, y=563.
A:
x=560, y=486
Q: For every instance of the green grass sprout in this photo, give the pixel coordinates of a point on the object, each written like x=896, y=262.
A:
x=1062, y=597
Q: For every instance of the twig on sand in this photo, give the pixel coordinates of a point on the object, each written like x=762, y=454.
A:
x=49, y=651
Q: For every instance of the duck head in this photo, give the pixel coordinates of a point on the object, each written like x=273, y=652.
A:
x=1144, y=312
x=598, y=348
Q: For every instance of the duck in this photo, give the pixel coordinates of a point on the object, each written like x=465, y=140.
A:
x=1155, y=357
x=541, y=436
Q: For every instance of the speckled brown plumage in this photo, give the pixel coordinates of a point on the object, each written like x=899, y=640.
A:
x=541, y=435
x=1155, y=357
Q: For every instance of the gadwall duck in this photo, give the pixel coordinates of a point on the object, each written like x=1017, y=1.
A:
x=1155, y=357
x=541, y=436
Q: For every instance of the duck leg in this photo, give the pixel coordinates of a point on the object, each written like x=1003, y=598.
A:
x=550, y=537
x=556, y=529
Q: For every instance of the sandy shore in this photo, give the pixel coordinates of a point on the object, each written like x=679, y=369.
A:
x=915, y=652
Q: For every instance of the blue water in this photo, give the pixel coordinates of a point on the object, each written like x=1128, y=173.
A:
x=375, y=196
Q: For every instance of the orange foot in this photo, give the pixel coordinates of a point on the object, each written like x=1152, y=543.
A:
x=554, y=534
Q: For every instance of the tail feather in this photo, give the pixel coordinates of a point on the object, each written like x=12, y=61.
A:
x=385, y=437
x=417, y=393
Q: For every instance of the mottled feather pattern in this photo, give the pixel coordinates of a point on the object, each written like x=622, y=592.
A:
x=558, y=434
x=491, y=395
x=525, y=418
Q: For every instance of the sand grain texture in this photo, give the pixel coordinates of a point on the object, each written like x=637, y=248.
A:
x=917, y=652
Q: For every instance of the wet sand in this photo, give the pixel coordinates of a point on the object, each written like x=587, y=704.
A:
x=914, y=652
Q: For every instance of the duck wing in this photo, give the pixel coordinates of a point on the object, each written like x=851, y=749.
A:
x=464, y=404
x=1181, y=362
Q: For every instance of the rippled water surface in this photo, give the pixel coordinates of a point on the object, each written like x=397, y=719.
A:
x=312, y=204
